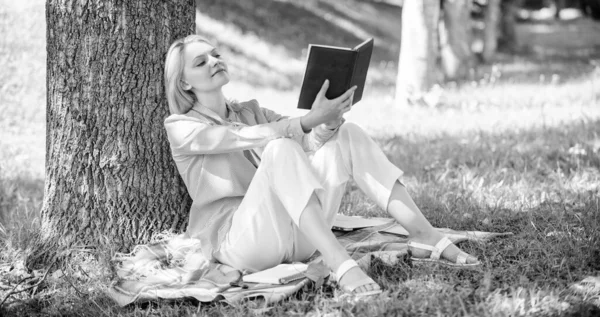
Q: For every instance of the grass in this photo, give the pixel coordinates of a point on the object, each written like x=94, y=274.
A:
x=517, y=148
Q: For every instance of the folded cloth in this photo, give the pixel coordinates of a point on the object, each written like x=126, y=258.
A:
x=175, y=268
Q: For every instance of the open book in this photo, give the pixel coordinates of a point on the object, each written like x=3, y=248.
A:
x=280, y=274
x=344, y=67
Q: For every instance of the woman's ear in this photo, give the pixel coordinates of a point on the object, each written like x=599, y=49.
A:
x=185, y=85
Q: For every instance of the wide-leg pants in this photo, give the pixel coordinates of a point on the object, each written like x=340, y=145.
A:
x=265, y=228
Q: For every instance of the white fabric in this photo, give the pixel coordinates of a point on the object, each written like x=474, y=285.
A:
x=264, y=230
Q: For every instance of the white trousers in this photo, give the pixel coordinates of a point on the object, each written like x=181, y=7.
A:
x=264, y=230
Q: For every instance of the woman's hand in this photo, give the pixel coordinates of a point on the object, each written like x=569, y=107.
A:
x=328, y=111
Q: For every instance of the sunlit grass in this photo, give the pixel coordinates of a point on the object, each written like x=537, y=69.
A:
x=515, y=149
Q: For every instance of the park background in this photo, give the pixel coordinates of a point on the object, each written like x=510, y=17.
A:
x=515, y=148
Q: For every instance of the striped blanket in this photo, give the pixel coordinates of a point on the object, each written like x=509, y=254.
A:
x=175, y=268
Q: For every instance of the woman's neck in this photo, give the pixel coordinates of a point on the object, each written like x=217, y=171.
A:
x=214, y=101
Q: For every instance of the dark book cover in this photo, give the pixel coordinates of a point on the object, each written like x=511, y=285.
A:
x=344, y=67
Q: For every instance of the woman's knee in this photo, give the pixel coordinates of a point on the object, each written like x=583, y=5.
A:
x=352, y=131
x=280, y=147
x=350, y=128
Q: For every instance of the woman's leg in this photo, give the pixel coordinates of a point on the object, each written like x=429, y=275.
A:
x=379, y=179
x=284, y=195
x=406, y=212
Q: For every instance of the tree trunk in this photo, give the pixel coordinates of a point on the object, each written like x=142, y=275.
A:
x=455, y=39
x=109, y=172
x=490, y=34
x=508, y=40
x=418, y=49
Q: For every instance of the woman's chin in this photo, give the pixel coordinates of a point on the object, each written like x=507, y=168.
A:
x=224, y=79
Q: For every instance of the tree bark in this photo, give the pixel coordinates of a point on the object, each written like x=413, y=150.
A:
x=109, y=172
x=455, y=39
x=490, y=34
x=508, y=40
x=418, y=49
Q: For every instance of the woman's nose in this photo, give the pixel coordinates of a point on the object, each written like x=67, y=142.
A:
x=213, y=61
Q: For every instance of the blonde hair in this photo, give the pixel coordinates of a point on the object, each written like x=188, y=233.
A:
x=180, y=100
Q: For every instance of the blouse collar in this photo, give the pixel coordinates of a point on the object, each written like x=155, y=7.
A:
x=206, y=111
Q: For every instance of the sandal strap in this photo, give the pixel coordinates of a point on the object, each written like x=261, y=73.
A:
x=344, y=267
x=350, y=287
x=436, y=250
x=440, y=247
x=420, y=246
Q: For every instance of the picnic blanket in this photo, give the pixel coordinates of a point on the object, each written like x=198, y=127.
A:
x=174, y=267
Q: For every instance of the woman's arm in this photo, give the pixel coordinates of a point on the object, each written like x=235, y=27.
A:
x=311, y=140
x=322, y=122
x=188, y=135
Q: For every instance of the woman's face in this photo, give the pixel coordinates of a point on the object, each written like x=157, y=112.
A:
x=203, y=69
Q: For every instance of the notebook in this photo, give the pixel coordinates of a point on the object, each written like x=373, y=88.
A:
x=280, y=274
x=350, y=223
x=344, y=67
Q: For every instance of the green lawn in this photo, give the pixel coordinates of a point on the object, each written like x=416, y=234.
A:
x=517, y=148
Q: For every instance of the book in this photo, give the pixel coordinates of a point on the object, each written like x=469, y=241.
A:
x=280, y=274
x=343, y=67
x=350, y=223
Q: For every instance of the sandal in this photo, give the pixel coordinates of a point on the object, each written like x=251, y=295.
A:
x=436, y=252
x=351, y=287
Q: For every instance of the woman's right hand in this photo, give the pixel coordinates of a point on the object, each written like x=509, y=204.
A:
x=326, y=110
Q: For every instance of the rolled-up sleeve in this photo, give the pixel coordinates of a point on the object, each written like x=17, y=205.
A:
x=189, y=135
x=318, y=136
x=311, y=141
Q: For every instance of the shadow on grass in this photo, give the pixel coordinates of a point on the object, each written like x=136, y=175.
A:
x=485, y=182
x=540, y=184
x=531, y=68
x=294, y=25
x=288, y=27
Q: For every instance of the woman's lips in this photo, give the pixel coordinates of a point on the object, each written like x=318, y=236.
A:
x=218, y=71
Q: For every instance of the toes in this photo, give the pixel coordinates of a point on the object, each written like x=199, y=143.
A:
x=367, y=288
x=361, y=289
x=471, y=259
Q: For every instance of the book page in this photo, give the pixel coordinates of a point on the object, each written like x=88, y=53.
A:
x=359, y=76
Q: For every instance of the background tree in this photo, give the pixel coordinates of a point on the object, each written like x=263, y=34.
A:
x=508, y=39
x=418, y=50
x=109, y=172
x=455, y=39
x=490, y=33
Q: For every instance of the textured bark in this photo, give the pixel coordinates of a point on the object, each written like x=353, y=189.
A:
x=455, y=39
x=418, y=49
x=109, y=172
x=490, y=34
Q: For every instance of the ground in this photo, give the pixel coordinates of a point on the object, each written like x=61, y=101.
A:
x=515, y=148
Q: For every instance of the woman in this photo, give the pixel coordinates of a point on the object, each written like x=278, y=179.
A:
x=265, y=187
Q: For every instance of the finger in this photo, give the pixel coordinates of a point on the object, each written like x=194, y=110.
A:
x=346, y=95
x=346, y=103
x=349, y=99
x=323, y=88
